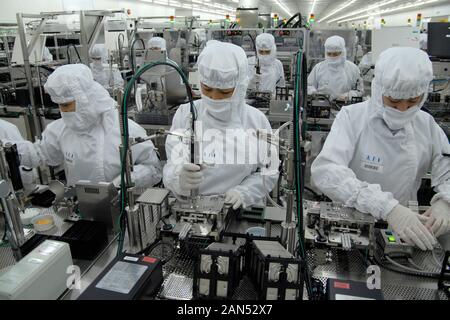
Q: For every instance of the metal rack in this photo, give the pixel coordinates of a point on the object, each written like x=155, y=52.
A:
x=91, y=23
x=6, y=55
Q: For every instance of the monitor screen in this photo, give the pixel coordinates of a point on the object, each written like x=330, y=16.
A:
x=439, y=40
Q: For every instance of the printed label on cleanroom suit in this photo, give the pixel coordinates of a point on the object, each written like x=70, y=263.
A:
x=372, y=163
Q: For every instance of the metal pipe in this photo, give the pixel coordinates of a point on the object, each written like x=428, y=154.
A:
x=10, y=205
x=134, y=219
x=83, y=40
x=166, y=17
x=34, y=126
x=52, y=14
x=36, y=36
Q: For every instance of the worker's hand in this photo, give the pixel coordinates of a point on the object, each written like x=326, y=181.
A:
x=116, y=182
x=190, y=176
x=234, y=198
x=256, y=78
x=410, y=227
x=439, y=218
x=342, y=98
x=312, y=90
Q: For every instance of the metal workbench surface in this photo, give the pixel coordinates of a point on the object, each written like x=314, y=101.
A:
x=350, y=265
x=178, y=271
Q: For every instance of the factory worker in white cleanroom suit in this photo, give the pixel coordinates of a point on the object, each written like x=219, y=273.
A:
x=87, y=138
x=227, y=124
x=157, y=43
x=101, y=70
x=378, y=151
x=336, y=76
x=10, y=133
x=271, y=69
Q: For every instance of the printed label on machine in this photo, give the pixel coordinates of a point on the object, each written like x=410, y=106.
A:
x=122, y=277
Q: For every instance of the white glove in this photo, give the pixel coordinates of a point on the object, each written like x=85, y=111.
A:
x=410, y=227
x=312, y=90
x=343, y=98
x=233, y=198
x=116, y=182
x=256, y=78
x=190, y=176
x=439, y=222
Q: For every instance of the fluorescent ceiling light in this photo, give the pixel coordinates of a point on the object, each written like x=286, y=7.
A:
x=383, y=12
x=285, y=9
x=371, y=7
x=161, y=2
x=313, y=7
x=338, y=10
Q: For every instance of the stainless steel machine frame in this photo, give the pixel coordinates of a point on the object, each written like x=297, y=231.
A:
x=202, y=213
x=344, y=228
x=12, y=208
x=238, y=37
x=145, y=24
x=89, y=31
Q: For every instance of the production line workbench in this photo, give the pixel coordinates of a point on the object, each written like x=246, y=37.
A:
x=178, y=272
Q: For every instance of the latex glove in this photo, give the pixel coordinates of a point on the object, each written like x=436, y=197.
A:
x=256, y=78
x=116, y=182
x=410, y=227
x=312, y=90
x=233, y=198
x=439, y=222
x=190, y=176
x=342, y=98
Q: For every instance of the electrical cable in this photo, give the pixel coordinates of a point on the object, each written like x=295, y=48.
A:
x=412, y=270
x=284, y=25
x=313, y=192
x=132, y=58
x=404, y=270
x=124, y=113
x=300, y=84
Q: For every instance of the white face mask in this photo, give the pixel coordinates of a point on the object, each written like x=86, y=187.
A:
x=266, y=59
x=218, y=109
x=76, y=121
x=335, y=61
x=396, y=119
x=97, y=64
